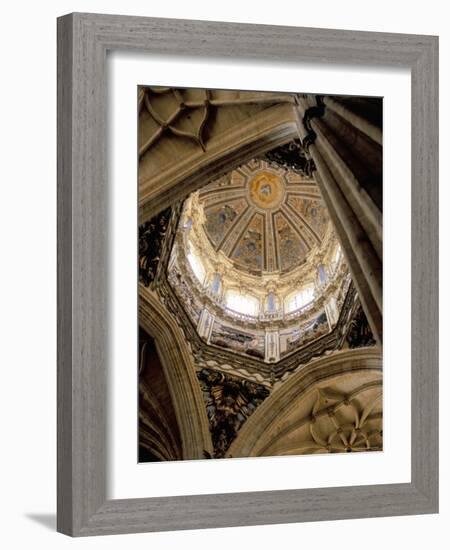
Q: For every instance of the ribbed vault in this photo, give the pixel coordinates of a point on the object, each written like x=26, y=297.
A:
x=263, y=217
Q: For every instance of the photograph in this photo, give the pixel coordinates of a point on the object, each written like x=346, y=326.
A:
x=260, y=273
x=231, y=332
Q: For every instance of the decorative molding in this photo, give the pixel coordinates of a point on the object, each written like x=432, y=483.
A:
x=359, y=333
x=267, y=129
x=242, y=365
x=291, y=156
x=182, y=112
x=156, y=238
x=314, y=111
x=193, y=112
x=337, y=422
x=152, y=237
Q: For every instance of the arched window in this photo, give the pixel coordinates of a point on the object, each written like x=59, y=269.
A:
x=242, y=303
x=337, y=254
x=215, y=283
x=299, y=299
x=196, y=266
x=322, y=274
x=271, y=302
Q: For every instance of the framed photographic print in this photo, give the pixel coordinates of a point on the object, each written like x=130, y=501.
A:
x=247, y=274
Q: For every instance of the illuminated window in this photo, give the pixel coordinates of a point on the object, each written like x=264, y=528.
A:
x=271, y=302
x=322, y=274
x=242, y=303
x=337, y=254
x=299, y=299
x=215, y=283
x=196, y=266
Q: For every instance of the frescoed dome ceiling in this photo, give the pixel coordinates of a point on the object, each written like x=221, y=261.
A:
x=264, y=218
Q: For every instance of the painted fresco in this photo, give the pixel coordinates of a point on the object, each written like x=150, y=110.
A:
x=249, y=251
x=291, y=250
x=300, y=336
x=313, y=212
x=220, y=218
x=236, y=339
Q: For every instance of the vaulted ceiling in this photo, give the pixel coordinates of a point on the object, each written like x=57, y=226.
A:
x=263, y=217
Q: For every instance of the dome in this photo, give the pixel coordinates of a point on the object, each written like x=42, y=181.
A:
x=256, y=263
x=263, y=218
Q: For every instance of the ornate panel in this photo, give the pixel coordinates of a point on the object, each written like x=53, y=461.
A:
x=331, y=421
x=229, y=402
x=291, y=250
x=152, y=235
x=221, y=217
x=181, y=285
x=236, y=339
x=313, y=212
x=249, y=251
x=299, y=336
x=359, y=333
x=293, y=157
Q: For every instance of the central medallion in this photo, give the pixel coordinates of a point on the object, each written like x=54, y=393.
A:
x=266, y=190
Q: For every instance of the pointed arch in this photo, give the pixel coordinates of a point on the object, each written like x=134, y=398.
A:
x=180, y=375
x=291, y=405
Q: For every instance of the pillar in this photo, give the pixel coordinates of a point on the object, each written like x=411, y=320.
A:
x=272, y=345
x=343, y=137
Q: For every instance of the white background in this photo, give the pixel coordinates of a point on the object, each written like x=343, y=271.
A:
x=28, y=275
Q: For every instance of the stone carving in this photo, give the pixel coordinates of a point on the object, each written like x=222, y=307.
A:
x=191, y=113
x=291, y=156
x=151, y=239
x=173, y=113
x=341, y=423
x=190, y=300
x=229, y=402
x=315, y=111
x=359, y=334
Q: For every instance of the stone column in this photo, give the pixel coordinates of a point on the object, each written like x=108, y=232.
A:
x=347, y=155
x=331, y=312
x=272, y=345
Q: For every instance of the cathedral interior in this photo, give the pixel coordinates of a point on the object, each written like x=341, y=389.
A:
x=260, y=274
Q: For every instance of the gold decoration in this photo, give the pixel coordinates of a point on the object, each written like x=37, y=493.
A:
x=266, y=190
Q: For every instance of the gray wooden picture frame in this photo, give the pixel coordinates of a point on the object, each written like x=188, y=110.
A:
x=83, y=41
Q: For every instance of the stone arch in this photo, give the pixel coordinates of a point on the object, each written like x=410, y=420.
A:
x=180, y=375
x=346, y=384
